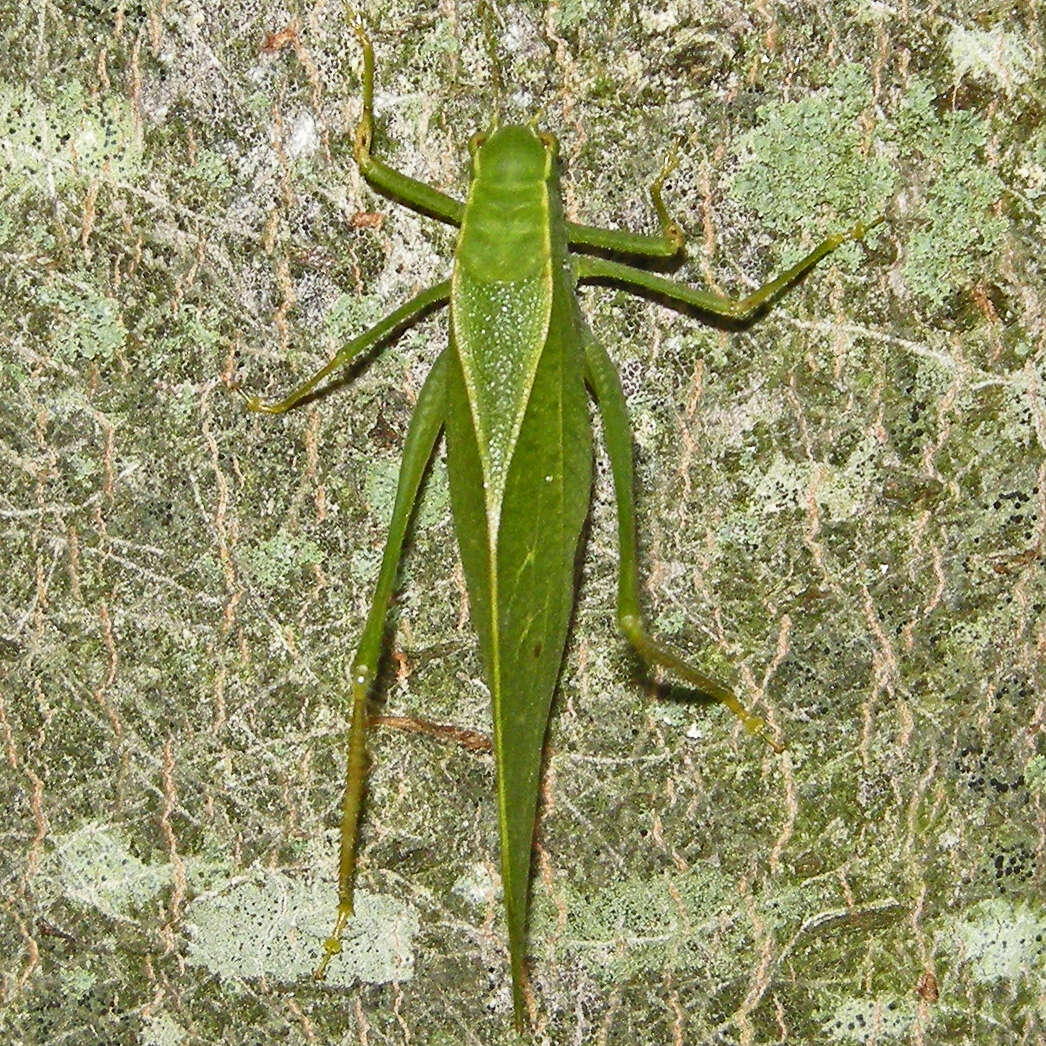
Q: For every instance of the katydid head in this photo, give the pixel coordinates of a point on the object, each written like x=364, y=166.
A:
x=516, y=153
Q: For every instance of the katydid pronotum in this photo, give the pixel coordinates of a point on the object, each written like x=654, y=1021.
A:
x=510, y=394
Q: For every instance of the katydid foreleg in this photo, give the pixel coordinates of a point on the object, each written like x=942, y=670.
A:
x=420, y=196
x=624, y=241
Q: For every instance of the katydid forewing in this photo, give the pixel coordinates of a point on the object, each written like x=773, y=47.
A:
x=511, y=394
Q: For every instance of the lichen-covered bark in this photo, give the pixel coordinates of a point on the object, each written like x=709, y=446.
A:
x=843, y=508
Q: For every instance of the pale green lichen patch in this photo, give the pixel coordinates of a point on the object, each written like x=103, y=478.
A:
x=810, y=162
x=1035, y=774
x=958, y=229
x=78, y=980
x=94, y=866
x=349, y=314
x=270, y=925
x=642, y=927
x=816, y=154
x=1031, y=170
x=280, y=560
x=569, y=14
x=86, y=325
x=1000, y=940
x=363, y=565
x=379, y=490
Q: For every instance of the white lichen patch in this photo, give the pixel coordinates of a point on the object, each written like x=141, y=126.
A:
x=302, y=138
x=477, y=887
x=991, y=54
x=1000, y=940
x=839, y=492
x=67, y=139
x=96, y=868
x=273, y=926
x=162, y=1030
x=867, y=1020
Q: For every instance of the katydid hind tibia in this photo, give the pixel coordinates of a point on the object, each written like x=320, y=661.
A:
x=511, y=394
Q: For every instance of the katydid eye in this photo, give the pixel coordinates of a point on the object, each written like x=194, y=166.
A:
x=477, y=141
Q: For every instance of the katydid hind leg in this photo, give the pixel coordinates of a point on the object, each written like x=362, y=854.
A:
x=425, y=424
x=606, y=385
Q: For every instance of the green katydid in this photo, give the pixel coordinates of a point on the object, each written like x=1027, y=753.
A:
x=510, y=394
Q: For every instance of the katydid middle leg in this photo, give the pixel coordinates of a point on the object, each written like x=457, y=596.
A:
x=425, y=425
x=708, y=301
x=602, y=376
x=384, y=328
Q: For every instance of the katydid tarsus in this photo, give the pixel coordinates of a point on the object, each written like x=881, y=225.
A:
x=511, y=393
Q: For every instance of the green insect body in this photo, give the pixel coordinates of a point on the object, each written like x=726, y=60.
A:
x=511, y=393
x=519, y=448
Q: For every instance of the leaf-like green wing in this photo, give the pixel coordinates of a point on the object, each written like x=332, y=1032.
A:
x=520, y=572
